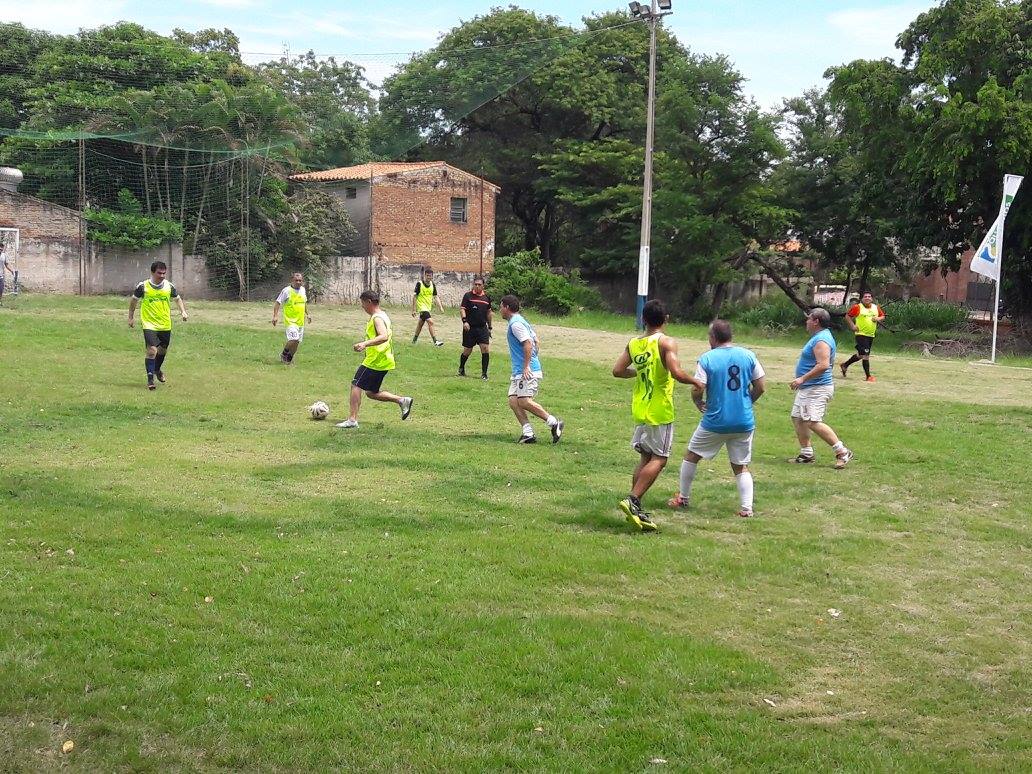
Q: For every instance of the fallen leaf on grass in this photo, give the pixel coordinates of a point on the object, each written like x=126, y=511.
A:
x=70, y=552
x=834, y=613
x=68, y=746
x=209, y=600
x=770, y=702
x=658, y=761
x=539, y=729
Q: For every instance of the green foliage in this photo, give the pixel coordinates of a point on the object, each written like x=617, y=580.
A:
x=918, y=315
x=774, y=313
x=128, y=226
x=526, y=276
x=316, y=228
x=936, y=133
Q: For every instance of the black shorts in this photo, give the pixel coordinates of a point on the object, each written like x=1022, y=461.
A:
x=475, y=336
x=424, y=315
x=157, y=338
x=864, y=344
x=368, y=379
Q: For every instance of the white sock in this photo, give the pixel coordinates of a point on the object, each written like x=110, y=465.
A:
x=687, y=476
x=806, y=451
x=528, y=429
x=745, y=489
x=838, y=448
x=551, y=421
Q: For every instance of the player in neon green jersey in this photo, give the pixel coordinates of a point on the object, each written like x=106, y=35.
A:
x=651, y=360
x=863, y=319
x=423, y=298
x=154, y=297
x=379, y=359
x=293, y=299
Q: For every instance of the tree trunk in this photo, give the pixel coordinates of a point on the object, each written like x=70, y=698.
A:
x=146, y=185
x=865, y=275
x=204, y=196
x=780, y=282
x=849, y=283
x=719, y=296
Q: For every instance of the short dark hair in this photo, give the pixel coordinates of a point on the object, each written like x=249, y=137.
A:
x=428, y=270
x=654, y=313
x=511, y=301
x=477, y=279
x=720, y=330
x=157, y=265
x=866, y=293
x=821, y=315
x=371, y=296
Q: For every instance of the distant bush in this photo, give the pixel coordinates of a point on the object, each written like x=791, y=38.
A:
x=128, y=226
x=775, y=313
x=525, y=275
x=919, y=315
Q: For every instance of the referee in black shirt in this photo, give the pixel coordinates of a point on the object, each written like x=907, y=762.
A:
x=476, y=327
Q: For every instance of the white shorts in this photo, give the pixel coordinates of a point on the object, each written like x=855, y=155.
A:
x=524, y=388
x=295, y=333
x=811, y=402
x=656, y=440
x=707, y=444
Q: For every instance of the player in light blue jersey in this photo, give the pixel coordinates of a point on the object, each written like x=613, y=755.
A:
x=734, y=381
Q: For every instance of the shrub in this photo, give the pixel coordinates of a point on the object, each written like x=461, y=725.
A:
x=128, y=226
x=525, y=275
x=775, y=312
x=919, y=315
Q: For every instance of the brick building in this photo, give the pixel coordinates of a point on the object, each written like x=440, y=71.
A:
x=963, y=286
x=409, y=213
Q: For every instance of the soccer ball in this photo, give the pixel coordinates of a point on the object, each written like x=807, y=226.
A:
x=319, y=410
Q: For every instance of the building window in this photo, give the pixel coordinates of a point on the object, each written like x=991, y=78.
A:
x=458, y=209
x=350, y=192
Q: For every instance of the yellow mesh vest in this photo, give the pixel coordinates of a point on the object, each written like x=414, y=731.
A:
x=653, y=400
x=294, y=308
x=156, y=307
x=380, y=357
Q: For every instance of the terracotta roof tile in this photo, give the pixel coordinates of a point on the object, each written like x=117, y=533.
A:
x=377, y=169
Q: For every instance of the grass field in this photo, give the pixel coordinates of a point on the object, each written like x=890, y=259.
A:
x=202, y=578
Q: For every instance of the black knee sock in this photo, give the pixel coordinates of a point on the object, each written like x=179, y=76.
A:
x=851, y=360
x=158, y=361
x=149, y=362
x=485, y=360
x=867, y=367
x=462, y=361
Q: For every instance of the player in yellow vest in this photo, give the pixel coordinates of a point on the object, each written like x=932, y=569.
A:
x=154, y=297
x=293, y=299
x=863, y=319
x=423, y=298
x=379, y=359
x=651, y=360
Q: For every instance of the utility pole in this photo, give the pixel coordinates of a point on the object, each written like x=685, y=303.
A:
x=651, y=14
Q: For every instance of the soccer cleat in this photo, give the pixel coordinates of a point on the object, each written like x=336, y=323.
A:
x=438, y=343
x=637, y=516
x=677, y=502
x=557, y=430
x=843, y=459
x=842, y=368
x=161, y=376
x=151, y=386
x=745, y=513
x=462, y=372
x=483, y=377
x=347, y=423
x=406, y=407
x=803, y=459
x=869, y=379
x=415, y=339
x=527, y=439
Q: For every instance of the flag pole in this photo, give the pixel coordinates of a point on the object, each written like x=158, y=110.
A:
x=996, y=310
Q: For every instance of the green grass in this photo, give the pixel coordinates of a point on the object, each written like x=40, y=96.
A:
x=427, y=595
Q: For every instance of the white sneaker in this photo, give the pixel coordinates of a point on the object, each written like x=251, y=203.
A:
x=406, y=407
x=347, y=423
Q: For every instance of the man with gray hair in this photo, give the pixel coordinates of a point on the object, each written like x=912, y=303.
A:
x=814, y=388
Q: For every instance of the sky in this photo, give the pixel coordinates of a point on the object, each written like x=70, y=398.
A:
x=782, y=47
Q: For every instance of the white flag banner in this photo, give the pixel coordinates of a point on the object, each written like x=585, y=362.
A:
x=986, y=260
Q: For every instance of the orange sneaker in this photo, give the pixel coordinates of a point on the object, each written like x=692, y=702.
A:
x=677, y=502
x=869, y=379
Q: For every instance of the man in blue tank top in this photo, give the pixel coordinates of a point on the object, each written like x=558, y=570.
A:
x=733, y=379
x=814, y=388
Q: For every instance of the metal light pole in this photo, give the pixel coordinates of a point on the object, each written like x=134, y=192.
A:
x=651, y=14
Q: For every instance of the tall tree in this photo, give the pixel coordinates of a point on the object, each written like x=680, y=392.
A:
x=937, y=132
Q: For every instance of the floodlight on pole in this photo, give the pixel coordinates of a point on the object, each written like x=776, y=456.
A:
x=651, y=14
